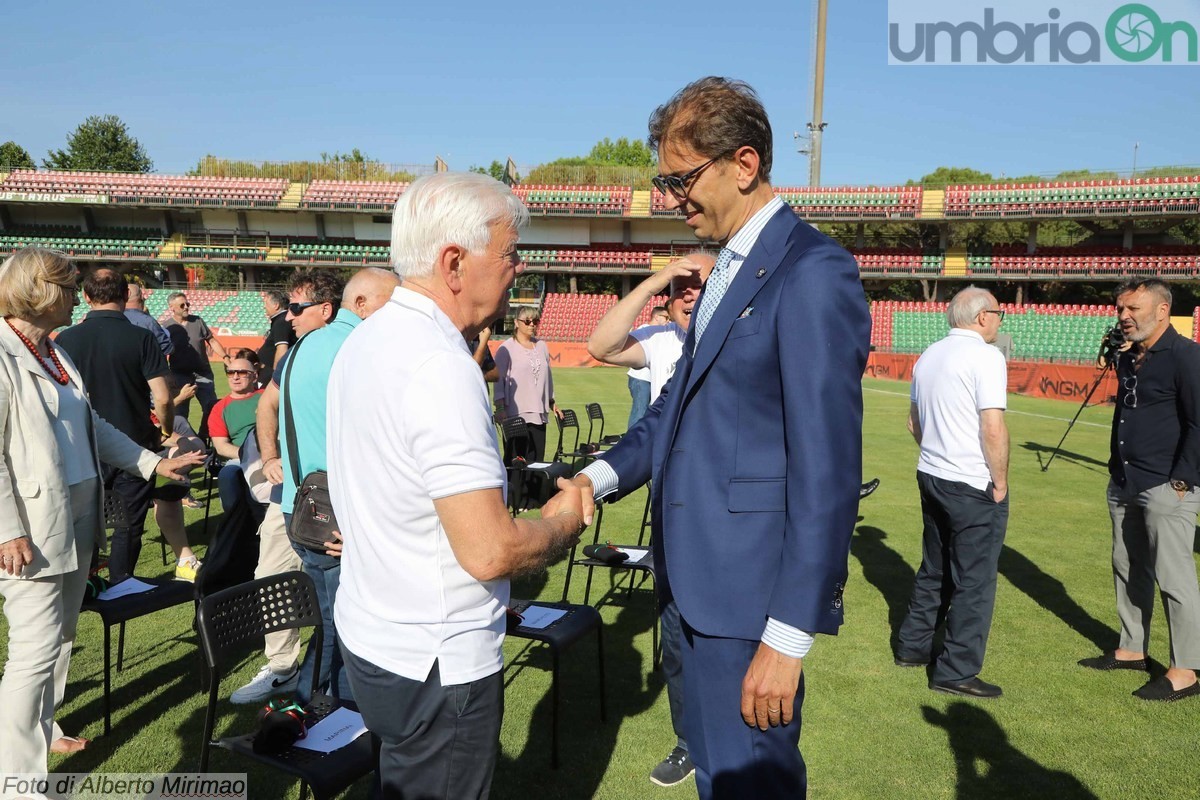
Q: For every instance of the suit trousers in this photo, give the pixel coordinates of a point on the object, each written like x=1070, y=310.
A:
x=672, y=668
x=42, y=615
x=733, y=760
x=964, y=533
x=1153, y=535
x=275, y=556
x=435, y=741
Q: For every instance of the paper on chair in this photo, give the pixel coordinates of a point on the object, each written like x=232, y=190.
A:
x=538, y=617
x=538, y=465
x=334, y=732
x=125, y=588
x=635, y=553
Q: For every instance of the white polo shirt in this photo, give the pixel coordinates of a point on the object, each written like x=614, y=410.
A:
x=409, y=422
x=953, y=380
x=662, y=345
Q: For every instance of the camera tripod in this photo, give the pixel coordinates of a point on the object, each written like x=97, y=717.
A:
x=1110, y=363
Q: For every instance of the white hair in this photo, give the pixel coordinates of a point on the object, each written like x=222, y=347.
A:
x=965, y=306
x=449, y=208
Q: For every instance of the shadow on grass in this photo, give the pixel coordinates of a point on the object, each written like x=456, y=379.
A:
x=585, y=743
x=990, y=767
x=1049, y=593
x=887, y=571
x=1044, y=453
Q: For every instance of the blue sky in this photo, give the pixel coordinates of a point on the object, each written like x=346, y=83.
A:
x=473, y=81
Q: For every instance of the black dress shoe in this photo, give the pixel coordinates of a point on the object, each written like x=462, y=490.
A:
x=865, y=489
x=1160, y=689
x=901, y=661
x=972, y=687
x=1109, y=661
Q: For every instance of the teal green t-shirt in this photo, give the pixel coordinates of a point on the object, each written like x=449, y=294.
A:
x=312, y=367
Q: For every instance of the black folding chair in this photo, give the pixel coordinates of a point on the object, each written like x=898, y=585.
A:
x=596, y=413
x=642, y=566
x=560, y=635
x=228, y=620
x=165, y=594
x=584, y=452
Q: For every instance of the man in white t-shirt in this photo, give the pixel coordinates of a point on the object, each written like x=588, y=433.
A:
x=656, y=347
x=959, y=393
x=639, y=379
x=418, y=487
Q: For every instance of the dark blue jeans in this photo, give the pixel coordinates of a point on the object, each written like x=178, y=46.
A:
x=326, y=572
x=672, y=667
x=639, y=392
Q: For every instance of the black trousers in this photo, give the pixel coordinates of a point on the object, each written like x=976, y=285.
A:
x=531, y=447
x=125, y=545
x=964, y=533
x=435, y=741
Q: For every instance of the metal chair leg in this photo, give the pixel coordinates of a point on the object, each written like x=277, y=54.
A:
x=554, y=711
x=107, y=681
x=121, y=649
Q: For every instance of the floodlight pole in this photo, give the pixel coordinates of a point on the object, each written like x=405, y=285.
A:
x=817, y=126
x=1135, y=149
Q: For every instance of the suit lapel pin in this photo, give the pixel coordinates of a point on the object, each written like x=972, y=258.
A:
x=760, y=273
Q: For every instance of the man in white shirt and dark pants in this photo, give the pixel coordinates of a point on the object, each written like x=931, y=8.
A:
x=959, y=393
x=418, y=486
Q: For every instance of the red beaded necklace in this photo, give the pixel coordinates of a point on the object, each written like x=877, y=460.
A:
x=61, y=378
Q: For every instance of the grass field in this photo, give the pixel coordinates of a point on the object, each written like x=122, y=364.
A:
x=871, y=730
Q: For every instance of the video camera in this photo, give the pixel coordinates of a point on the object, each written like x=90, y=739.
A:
x=1110, y=346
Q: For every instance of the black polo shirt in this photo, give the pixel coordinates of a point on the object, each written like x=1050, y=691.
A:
x=1158, y=439
x=117, y=359
x=280, y=332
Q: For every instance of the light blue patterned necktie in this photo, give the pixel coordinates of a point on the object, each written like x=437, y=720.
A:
x=714, y=290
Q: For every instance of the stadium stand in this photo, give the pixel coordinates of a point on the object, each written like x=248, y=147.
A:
x=339, y=253
x=352, y=195
x=1100, y=262
x=608, y=258
x=569, y=200
x=76, y=244
x=834, y=202
x=886, y=261
x=573, y=317
x=227, y=312
x=1062, y=333
x=148, y=189
x=1076, y=198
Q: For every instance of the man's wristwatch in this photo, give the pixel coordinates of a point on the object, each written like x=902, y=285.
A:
x=1181, y=486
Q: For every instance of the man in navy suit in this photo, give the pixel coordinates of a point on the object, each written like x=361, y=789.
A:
x=755, y=446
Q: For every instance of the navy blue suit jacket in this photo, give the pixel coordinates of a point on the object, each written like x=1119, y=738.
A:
x=755, y=445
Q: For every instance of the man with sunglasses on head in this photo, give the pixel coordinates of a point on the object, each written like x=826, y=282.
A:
x=1152, y=496
x=754, y=447
x=193, y=343
x=959, y=393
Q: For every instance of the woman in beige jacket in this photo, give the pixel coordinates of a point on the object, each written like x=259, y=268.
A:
x=51, y=504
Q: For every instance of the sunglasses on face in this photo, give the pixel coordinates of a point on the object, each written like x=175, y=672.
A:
x=680, y=185
x=534, y=321
x=245, y=372
x=296, y=309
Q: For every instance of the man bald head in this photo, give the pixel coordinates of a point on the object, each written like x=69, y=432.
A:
x=368, y=290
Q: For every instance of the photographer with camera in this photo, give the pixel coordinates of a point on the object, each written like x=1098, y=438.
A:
x=1152, y=497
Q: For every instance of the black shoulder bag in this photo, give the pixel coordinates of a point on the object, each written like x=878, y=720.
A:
x=313, y=521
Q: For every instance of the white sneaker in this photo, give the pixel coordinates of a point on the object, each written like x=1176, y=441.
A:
x=266, y=684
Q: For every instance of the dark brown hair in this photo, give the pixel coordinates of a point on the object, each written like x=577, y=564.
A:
x=1156, y=287
x=714, y=117
x=103, y=286
x=321, y=285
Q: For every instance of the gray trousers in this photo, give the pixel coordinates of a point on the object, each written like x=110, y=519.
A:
x=1153, y=535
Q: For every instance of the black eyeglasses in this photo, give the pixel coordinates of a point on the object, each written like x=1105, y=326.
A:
x=246, y=372
x=1130, y=398
x=296, y=309
x=534, y=321
x=995, y=311
x=680, y=185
